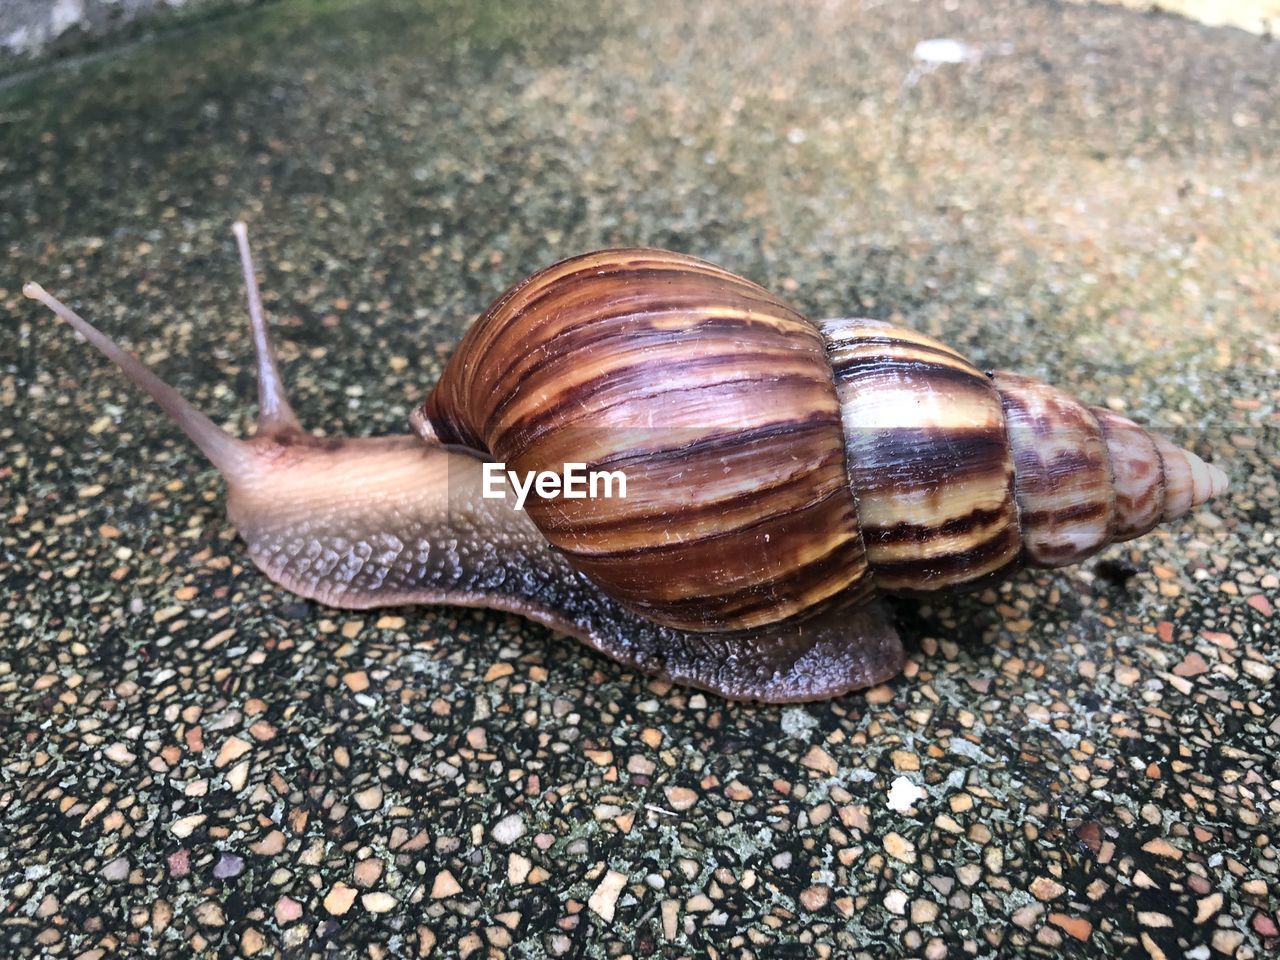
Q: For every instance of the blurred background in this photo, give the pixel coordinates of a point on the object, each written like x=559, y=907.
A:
x=1076, y=763
x=30, y=27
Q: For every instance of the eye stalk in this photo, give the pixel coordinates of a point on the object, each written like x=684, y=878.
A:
x=224, y=451
x=274, y=413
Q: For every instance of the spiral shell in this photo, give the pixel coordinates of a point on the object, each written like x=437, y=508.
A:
x=711, y=394
x=778, y=468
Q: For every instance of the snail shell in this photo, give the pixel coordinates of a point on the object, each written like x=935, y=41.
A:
x=778, y=468
x=781, y=475
x=716, y=400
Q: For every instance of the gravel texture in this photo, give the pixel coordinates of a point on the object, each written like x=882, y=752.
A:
x=1079, y=763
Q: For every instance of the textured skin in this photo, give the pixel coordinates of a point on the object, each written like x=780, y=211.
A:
x=714, y=397
x=391, y=521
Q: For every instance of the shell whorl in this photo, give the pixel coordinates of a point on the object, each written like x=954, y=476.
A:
x=715, y=399
x=962, y=476
x=929, y=457
x=1088, y=477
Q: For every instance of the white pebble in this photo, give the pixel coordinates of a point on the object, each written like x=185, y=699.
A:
x=509, y=829
x=903, y=794
x=944, y=50
x=606, y=894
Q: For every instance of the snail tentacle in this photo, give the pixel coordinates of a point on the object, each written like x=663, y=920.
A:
x=229, y=455
x=275, y=415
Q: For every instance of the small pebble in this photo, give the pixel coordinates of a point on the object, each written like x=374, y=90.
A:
x=378, y=902
x=339, y=899
x=605, y=896
x=229, y=865
x=899, y=847
x=444, y=886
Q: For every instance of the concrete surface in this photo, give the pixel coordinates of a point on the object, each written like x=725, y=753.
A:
x=1079, y=763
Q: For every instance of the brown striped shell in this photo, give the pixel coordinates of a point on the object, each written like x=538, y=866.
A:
x=714, y=397
x=776, y=468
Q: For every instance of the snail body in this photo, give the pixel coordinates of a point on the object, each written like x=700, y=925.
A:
x=781, y=475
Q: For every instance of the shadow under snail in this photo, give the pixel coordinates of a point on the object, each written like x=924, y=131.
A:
x=780, y=476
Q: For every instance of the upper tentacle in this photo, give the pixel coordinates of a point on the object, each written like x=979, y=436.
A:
x=275, y=415
x=231, y=456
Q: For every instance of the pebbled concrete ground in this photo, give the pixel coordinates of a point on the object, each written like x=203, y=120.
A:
x=1080, y=763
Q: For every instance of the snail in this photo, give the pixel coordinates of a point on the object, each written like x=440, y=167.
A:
x=781, y=476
